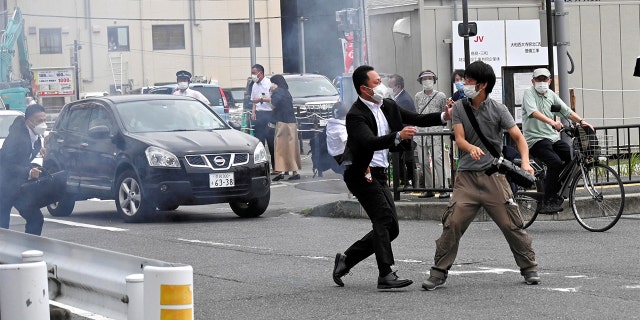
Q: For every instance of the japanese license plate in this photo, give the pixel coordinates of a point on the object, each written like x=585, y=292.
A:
x=221, y=180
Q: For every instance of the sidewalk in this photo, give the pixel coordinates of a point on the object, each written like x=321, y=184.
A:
x=331, y=200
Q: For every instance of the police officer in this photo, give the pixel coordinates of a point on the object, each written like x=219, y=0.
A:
x=184, y=78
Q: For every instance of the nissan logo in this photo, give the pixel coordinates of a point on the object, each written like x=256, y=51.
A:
x=219, y=161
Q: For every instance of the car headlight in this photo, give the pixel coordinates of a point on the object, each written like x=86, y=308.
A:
x=158, y=157
x=259, y=154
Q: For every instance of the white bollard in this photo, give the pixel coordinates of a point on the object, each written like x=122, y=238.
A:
x=24, y=293
x=135, y=292
x=168, y=293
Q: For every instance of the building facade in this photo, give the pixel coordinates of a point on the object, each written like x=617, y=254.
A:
x=122, y=45
x=604, y=41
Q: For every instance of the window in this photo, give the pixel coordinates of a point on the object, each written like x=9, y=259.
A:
x=239, y=36
x=50, y=41
x=118, y=38
x=168, y=37
x=78, y=119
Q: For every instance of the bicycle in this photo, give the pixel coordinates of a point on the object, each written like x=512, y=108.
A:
x=594, y=189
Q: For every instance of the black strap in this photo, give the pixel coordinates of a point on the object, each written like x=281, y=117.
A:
x=426, y=105
x=476, y=127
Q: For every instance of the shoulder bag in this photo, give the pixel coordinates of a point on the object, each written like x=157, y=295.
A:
x=513, y=172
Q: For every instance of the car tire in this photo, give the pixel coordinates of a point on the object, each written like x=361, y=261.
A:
x=62, y=208
x=168, y=207
x=252, y=208
x=131, y=201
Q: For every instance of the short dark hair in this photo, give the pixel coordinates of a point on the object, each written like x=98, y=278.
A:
x=458, y=72
x=399, y=80
x=259, y=67
x=360, y=76
x=33, y=109
x=482, y=73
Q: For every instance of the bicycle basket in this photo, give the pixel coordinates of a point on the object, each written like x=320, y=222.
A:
x=587, y=141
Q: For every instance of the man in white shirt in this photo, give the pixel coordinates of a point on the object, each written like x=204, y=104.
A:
x=261, y=112
x=184, y=78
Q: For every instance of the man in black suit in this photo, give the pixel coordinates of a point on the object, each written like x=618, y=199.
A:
x=404, y=100
x=22, y=145
x=376, y=126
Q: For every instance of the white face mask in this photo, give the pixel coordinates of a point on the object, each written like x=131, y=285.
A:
x=183, y=85
x=379, y=92
x=470, y=91
x=542, y=87
x=427, y=84
x=40, y=129
x=254, y=77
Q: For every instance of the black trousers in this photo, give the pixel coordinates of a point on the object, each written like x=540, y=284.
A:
x=377, y=200
x=555, y=156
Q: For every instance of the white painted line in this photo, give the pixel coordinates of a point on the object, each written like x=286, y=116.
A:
x=637, y=286
x=569, y=290
x=80, y=312
x=575, y=277
x=82, y=225
x=484, y=270
x=220, y=244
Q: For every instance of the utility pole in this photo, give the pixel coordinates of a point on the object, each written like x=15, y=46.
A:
x=252, y=31
x=76, y=67
x=562, y=42
x=303, y=64
x=465, y=26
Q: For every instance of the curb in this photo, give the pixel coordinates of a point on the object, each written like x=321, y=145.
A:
x=409, y=209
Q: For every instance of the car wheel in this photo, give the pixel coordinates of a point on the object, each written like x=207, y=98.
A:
x=131, y=202
x=168, y=207
x=62, y=208
x=252, y=208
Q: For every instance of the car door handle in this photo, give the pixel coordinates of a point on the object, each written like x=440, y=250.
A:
x=84, y=144
x=60, y=140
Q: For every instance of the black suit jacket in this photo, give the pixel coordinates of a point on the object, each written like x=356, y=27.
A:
x=15, y=158
x=363, y=131
x=405, y=101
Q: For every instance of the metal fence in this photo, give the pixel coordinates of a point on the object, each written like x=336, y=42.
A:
x=622, y=150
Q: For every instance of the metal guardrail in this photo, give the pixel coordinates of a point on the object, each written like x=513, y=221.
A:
x=622, y=153
x=80, y=276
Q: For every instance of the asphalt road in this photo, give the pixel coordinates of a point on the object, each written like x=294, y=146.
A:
x=279, y=266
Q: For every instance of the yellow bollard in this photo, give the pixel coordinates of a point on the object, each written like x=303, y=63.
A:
x=168, y=293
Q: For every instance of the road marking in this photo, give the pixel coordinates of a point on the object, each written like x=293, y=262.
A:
x=484, y=270
x=80, y=312
x=570, y=290
x=637, y=286
x=82, y=225
x=220, y=244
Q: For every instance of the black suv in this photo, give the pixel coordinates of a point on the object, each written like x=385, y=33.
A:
x=151, y=152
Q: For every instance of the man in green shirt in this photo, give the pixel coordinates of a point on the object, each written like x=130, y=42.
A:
x=541, y=130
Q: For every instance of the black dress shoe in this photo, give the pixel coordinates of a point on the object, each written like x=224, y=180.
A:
x=340, y=269
x=392, y=281
x=294, y=177
x=278, y=177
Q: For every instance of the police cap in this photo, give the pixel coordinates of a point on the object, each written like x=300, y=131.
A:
x=183, y=74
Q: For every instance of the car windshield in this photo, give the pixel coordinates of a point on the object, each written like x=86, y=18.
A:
x=5, y=123
x=168, y=115
x=311, y=87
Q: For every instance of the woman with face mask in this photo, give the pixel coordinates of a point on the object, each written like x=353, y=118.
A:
x=22, y=145
x=430, y=100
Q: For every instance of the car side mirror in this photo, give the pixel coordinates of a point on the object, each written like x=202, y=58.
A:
x=99, y=132
x=555, y=108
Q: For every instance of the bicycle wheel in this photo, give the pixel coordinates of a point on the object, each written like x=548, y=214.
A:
x=528, y=203
x=597, y=197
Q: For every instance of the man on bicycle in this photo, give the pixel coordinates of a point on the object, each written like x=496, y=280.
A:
x=542, y=133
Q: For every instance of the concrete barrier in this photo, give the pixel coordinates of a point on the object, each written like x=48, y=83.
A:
x=24, y=290
x=80, y=276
